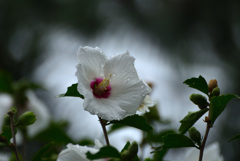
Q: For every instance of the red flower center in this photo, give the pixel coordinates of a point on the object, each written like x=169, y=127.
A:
x=101, y=87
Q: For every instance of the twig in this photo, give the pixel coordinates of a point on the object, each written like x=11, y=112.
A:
x=103, y=124
x=13, y=135
x=204, y=141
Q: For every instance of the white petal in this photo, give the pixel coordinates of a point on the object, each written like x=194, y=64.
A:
x=41, y=112
x=83, y=82
x=147, y=102
x=98, y=144
x=75, y=152
x=127, y=89
x=105, y=108
x=91, y=63
x=122, y=69
x=6, y=102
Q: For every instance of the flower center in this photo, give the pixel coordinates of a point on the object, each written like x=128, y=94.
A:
x=101, y=87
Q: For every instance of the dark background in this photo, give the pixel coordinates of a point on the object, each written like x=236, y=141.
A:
x=175, y=25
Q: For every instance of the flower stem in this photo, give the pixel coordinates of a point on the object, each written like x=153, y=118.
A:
x=204, y=141
x=13, y=135
x=103, y=124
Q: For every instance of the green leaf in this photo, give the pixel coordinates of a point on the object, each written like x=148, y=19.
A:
x=218, y=104
x=7, y=133
x=237, y=137
x=72, y=92
x=152, y=115
x=198, y=83
x=43, y=151
x=115, y=127
x=188, y=121
x=126, y=146
x=136, y=121
x=154, y=137
x=104, y=152
x=159, y=155
x=177, y=141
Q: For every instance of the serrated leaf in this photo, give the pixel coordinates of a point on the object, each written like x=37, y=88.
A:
x=136, y=121
x=237, y=137
x=104, y=152
x=188, y=121
x=218, y=104
x=72, y=92
x=198, y=83
x=177, y=141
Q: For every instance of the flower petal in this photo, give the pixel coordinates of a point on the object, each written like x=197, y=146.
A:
x=121, y=67
x=147, y=102
x=91, y=63
x=127, y=89
x=105, y=108
x=75, y=152
x=130, y=96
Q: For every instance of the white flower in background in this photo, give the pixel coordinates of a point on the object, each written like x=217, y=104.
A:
x=4, y=157
x=111, y=87
x=33, y=104
x=5, y=104
x=40, y=110
x=147, y=102
x=211, y=153
x=77, y=152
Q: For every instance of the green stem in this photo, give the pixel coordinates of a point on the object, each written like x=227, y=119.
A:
x=103, y=124
x=13, y=135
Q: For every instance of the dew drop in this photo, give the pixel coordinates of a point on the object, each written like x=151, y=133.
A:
x=114, y=75
x=142, y=86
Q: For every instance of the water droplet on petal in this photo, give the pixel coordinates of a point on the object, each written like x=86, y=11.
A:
x=114, y=75
x=142, y=86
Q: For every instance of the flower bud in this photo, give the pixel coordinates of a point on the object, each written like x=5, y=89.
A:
x=212, y=84
x=215, y=91
x=199, y=100
x=6, y=120
x=131, y=152
x=195, y=135
x=27, y=118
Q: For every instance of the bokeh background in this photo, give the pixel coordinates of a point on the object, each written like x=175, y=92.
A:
x=171, y=40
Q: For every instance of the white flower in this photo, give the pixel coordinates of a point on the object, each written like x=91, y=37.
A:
x=147, y=102
x=4, y=157
x=5, y=104
x=211, y=153
x=77, y=152
x=33, y=104
x=111, y=87
x=40, y=110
